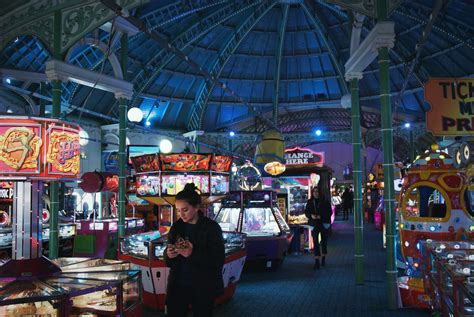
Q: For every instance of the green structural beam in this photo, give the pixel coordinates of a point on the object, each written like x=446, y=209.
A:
x=54, y=186
x=357, y=176
x=122, y=143
x=387, y=141
x=279, y=51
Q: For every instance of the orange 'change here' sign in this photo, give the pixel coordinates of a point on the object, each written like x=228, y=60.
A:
x=452, y=106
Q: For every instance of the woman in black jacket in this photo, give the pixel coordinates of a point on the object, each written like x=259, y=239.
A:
x=318, y=211
x=195, y=253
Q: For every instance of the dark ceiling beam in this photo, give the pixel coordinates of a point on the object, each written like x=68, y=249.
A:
x=419, y=47
x=278, y=57
x=452, y=20
x=228, y=48
x=320, y=28
x=263, y=55
x=438, y=30
x=252, y=79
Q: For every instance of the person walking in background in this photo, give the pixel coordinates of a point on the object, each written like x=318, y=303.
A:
x=346, y=203
x=351, y=199
x=318, y=211
x=195, y=253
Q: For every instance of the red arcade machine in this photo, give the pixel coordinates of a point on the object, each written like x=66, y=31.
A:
x=159, y=179
x=33, y=151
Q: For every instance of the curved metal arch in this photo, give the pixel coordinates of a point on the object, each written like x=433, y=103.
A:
x=205, y=89
x=113, y=59
x=77, y=19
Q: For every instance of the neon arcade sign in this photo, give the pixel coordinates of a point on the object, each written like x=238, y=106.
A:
x=301, y=156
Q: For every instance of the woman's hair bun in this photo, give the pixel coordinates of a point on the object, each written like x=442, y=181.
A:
x=190, y=187
x=190, y=193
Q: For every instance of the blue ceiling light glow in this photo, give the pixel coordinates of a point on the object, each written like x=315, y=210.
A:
x=231, y=134
x=318, y=132
x=407, y=125
x=9, y=81
x=147, y=123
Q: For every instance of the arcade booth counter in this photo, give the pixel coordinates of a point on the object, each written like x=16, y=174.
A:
x=435, y=204
x=37, y=150
x=256, y=214
x=145, y=251
x=304, y=169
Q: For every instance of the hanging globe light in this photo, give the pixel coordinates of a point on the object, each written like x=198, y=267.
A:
x=83, y=137
x=135, y=114
x=166, y=146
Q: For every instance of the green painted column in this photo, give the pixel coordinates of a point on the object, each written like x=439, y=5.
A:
x=357, y=176
x=387, y=141
x=54, y=186
x=122, y=143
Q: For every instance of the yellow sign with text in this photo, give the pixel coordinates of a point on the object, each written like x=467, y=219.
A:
x=452, y=106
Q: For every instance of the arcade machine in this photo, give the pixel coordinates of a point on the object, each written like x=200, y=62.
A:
x=67, y=229
x=97, y=236
x=436, y=205
x=159, y=179
x=145, y=251
x=256, y=214
x=33, y=151
x=304, y=170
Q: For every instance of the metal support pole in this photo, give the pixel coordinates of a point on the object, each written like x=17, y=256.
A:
x=387, y=141
x=122, y=143
x=54, y=186
x=412, y=147
x=357, y=175
x=42, y=102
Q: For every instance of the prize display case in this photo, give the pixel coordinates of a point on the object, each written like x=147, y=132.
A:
x=161, y=177
x=83, y=287
x=448, y=272
x=256, y=214
x=145, y=251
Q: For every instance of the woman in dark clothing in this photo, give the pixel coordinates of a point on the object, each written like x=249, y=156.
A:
x=195, y=254
x=318, y=211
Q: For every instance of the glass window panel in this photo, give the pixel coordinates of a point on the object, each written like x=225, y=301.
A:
x=228, y=219
x=425, y=201
x=260, y=221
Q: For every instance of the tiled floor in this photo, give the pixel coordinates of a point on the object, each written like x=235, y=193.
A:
x=296, y=290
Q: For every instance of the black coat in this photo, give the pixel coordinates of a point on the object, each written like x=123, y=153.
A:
x=320, y=208
x=206, y=260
